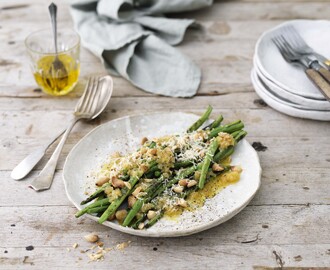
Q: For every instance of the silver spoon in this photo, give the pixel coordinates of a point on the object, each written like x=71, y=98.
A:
x=27, y=164
x=57, y=71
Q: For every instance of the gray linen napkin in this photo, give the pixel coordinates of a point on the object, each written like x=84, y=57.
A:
x=133, y=39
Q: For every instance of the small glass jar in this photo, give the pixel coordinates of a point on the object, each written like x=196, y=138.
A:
x=54, y=78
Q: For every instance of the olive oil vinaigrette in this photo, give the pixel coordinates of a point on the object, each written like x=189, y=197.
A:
x=197, y=198
x=50, y=82
x=52, y=78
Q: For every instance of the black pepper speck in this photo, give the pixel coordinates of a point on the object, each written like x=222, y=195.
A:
x=258, y=146
x=29, y=248
x=260, y=102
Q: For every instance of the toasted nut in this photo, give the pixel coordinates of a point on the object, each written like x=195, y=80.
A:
x=137, y=191
x=128, y=185
x=117, y=192
x=100, y=244
x=131, y=201
x=92, y=238
x=199, y=136
x=202, y=154
x=153, y=151
x=102, y=180
x=141, y=226
x=144, y=139
x=192, y=183
x=183, y=182
x=217, y=168
x=182, y=202
x=151, y=214
x=178, y=189
x=144, y=168
x=146, y=207
x=121, y=214
x=143, y=150
x=112, y=217
x=236, y=169
x=117, y=182
x=197, y=175
x=108, y=190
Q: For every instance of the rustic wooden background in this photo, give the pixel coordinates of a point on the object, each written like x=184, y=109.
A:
x=286, y=224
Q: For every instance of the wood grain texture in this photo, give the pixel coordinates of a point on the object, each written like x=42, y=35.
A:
x=285, y=225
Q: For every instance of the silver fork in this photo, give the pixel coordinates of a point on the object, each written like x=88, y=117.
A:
x=299, y=44
x=86, y=108
x=290, y=55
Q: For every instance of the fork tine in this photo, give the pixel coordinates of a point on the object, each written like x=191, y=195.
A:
x=287, y=45
x=289, y=36
x=296, y=35
x=85, y=102
x=283, y=50
x=296, y=41
x=278, y=44
x=293, y=37
x=82, y=98
x=91, y=101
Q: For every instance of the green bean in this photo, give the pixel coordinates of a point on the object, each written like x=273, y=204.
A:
x=201, y=120
x=96, y=194
x=154, y=220
x=207, y=161
x=94, y=204
x=215, y=123
x=229, y=128
x=116, y=203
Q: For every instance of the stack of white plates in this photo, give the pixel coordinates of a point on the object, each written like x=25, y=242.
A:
x=284, y=86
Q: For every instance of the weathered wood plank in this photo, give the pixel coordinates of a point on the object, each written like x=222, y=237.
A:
x=268, y=225
x=18, y=115
x=218, y=77
x=233, y=256
x=230, y=50
x=261, y=10
x=289, y=140
x=253, y=237
x=227, y=10
x=119, y=104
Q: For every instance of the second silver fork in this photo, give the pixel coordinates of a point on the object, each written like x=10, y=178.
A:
x=291, y=55
x=295, y=40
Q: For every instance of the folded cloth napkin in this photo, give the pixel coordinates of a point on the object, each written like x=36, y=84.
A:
x=133, y=38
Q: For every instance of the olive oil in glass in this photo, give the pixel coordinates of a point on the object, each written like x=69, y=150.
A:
x=40, y=48
x=51, y=82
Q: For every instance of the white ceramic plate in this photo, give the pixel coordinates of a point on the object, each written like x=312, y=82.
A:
x=285, y=106
x=307, y=103
x=290, y=77
x=124, y=135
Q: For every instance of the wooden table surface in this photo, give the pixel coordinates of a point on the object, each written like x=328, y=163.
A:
x=285, y=225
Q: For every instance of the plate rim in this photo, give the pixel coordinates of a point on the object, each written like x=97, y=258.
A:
x=284, y=108
x=192, y=230
x=294, y=98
